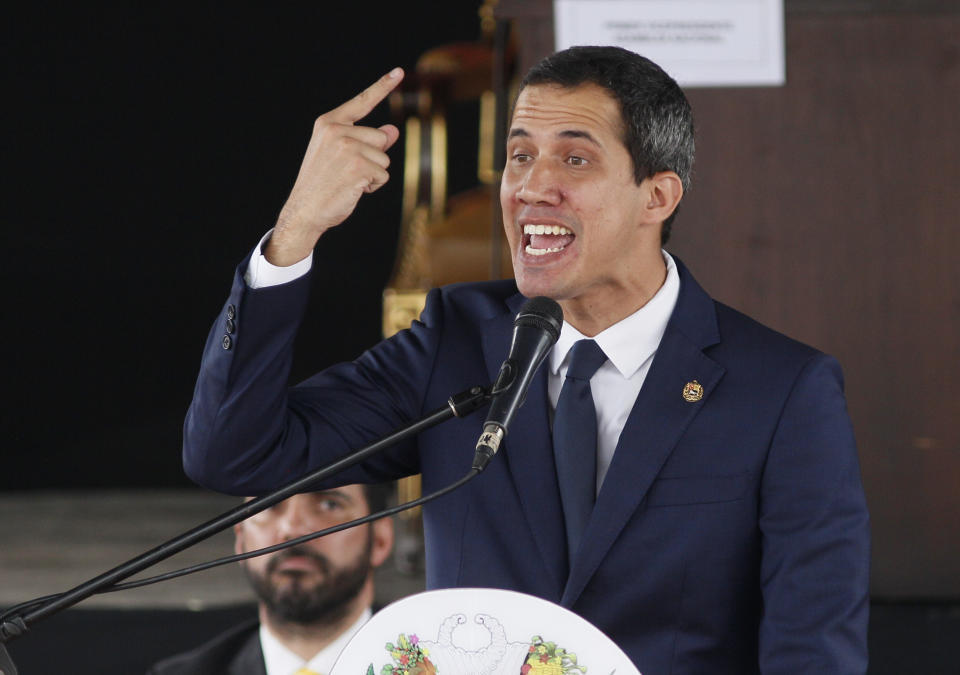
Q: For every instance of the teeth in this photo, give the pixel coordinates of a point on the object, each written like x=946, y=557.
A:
x=541, y=251
x=545, y=229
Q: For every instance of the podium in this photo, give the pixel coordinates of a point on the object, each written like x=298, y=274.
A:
x=480, y=631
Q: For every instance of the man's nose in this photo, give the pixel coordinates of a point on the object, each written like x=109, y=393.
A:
x=540, y=184
x=294, y=523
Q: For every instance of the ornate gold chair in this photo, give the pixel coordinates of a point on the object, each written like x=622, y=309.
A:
x=444, y=238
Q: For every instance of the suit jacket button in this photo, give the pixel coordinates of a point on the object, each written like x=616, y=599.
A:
x=231, y=312
x=231, y=326
x=227, y=342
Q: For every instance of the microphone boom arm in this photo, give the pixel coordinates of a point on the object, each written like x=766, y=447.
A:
x=13, y=624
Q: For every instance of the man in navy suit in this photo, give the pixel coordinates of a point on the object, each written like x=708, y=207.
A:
x=725, y=528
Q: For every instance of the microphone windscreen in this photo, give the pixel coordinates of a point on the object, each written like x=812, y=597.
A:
x=541, y=312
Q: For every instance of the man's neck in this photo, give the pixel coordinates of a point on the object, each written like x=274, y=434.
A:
x=307, y=639
x=593, y=313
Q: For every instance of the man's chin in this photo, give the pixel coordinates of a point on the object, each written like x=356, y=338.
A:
x=533, y=285
x=551, y=280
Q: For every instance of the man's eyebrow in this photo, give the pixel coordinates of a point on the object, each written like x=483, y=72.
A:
x=518, y=132
x=577, y=133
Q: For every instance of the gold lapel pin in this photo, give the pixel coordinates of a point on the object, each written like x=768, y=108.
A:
x=692, y=392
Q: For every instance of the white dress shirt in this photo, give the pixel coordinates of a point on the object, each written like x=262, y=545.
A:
x=282, y=661
x=630, y=345
x=261, y=273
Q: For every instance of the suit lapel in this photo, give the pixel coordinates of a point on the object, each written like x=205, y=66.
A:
x=528, y=451
x=656, y=423
x=249, y=658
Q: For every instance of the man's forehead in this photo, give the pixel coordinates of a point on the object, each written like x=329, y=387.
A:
x=566, y=111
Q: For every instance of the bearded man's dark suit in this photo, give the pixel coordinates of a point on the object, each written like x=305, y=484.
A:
x=730, y=534
x=235, y=652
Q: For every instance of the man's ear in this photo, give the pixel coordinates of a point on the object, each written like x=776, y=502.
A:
x=664, y=192
x=382, y=541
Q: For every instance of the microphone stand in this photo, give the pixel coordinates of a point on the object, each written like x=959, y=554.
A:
x=458, y=405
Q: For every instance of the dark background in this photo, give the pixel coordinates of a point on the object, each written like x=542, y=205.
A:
x=145, y=152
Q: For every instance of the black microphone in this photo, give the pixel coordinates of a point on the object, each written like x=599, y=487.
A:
x=535, y=331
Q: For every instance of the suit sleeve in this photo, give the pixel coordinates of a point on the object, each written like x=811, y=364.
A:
x=246, y=433
x=815, y=534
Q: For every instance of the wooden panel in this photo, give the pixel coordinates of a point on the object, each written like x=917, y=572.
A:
x=532, y=26
x=829, y=210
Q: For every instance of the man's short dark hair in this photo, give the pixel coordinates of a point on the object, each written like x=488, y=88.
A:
x=658, y=122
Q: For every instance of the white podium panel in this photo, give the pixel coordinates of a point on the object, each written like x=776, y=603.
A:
x=480, y=631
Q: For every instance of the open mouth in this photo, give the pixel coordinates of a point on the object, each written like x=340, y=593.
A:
x=544, y=239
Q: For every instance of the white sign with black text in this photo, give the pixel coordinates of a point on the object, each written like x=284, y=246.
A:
x=700, y=44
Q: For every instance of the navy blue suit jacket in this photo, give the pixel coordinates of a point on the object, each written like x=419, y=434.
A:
x=730, y=535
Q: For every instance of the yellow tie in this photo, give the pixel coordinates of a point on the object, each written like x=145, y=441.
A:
x=306, y=671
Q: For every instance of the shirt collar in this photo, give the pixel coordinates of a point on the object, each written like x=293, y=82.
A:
x=281, y=661
x=632, y=340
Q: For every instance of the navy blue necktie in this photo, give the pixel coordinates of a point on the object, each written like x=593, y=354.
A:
x=575, y=441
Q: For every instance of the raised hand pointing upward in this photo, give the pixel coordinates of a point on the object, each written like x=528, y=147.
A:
x=343, y=161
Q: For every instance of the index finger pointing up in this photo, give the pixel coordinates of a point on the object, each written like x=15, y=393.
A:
x=360, y=105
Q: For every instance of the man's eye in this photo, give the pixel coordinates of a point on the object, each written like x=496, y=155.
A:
x=327, y=505
x=521, y=157
x=576, y=161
